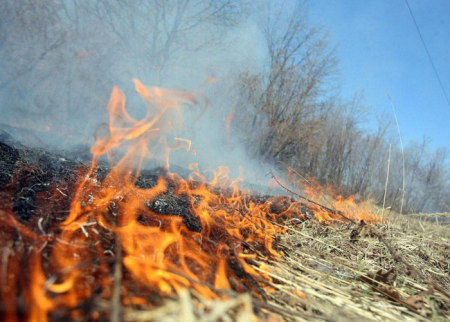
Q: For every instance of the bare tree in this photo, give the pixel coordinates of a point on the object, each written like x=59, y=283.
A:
x=59, y=59
x=342, y=136
x=164, y=29
x=29, y=33
x=289, y=98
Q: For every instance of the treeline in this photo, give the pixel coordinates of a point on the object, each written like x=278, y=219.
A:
x=295, y=116
x=60, y=59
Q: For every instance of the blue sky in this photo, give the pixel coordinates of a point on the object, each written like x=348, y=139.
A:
x=381, y=52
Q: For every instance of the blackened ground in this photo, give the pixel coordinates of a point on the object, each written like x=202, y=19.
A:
x=28, y=175
x=37, y=187
x=8, y=159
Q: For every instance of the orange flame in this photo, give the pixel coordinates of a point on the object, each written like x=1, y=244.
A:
x=159, y=250
x=207, y=243
x=337, y=208
x=228, y=121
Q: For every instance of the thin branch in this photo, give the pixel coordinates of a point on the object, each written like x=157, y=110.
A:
x=116, y=300
x=307, y=181
x=403, y=155
x=387, y=180
x=337, y=212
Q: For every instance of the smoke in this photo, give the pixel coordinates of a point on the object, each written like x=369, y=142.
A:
x=60, y=62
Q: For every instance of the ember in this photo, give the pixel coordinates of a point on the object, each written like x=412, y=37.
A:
x=75, y=237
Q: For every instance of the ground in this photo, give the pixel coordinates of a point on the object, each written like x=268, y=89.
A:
x=325, y=275
x=392, y=268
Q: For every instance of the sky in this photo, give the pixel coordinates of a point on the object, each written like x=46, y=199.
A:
x=380, y=53
x=378, y=46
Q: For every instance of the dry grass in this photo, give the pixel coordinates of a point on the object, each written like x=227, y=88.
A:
x=321, y=277
x=190, y=306
x=327, y=267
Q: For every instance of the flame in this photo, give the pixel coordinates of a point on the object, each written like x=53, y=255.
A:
x=335, y=207
x=210, y=80
x=202, y=232
x=167, y=253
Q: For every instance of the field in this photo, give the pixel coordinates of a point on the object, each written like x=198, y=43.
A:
x=280, y=259
x=395, y=271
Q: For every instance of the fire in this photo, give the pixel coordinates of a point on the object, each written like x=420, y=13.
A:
x=336, y=207
x=228, y=121
x=164, y=234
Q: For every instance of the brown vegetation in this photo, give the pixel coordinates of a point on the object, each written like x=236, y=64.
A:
x=294, y=116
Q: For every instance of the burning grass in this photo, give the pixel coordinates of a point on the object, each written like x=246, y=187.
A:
x=325, y=275
x=114, y=241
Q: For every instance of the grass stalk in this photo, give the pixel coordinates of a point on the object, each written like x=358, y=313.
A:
x=403, y=155
x=387, y=180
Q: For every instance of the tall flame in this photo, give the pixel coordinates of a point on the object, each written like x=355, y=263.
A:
x=169, y=233
x=162, y=251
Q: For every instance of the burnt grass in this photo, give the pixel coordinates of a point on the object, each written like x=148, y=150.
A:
x=37, y=186
x=330, y=272
x=29, y=173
